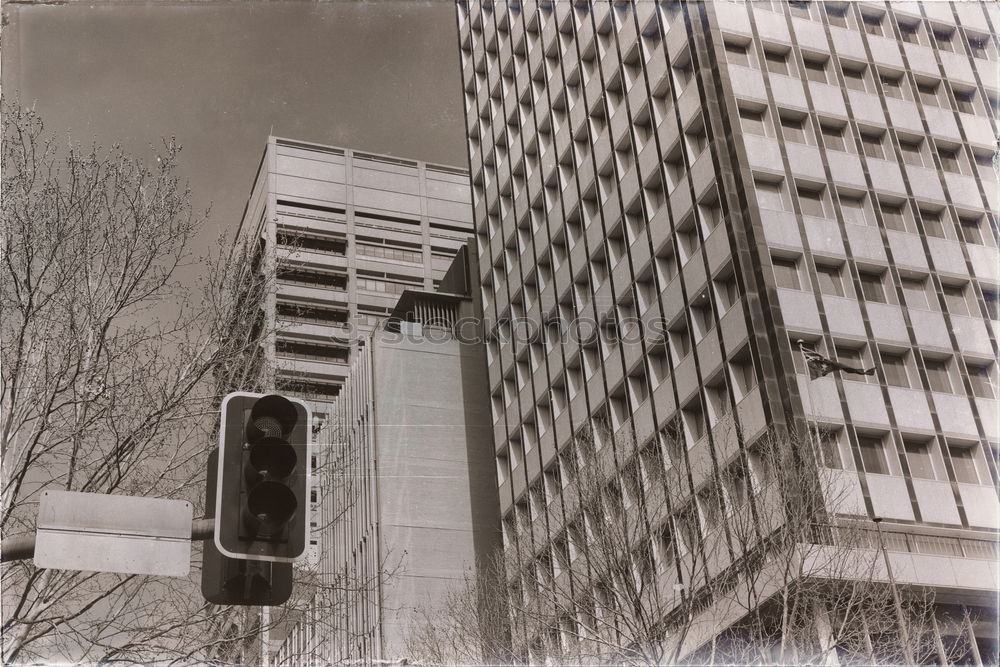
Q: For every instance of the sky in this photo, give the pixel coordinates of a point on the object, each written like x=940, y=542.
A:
x=379, y=75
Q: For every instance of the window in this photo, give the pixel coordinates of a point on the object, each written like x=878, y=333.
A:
x=854, y=358
x=894, y=216
x=833, y=137
x=945, y=39
x=873, y=455
x=954, y=297
x=938, y=375
x=812, y=202
x=836, y=14
x=738, y=486
x=933, y=223
x=972, y=230
x=966, y=100
x=918, y=458
x=892, y=84
x=871, y=287
x=737, y=54
x=895, y=370
x=873, y=24
x=816, y=70
x=770, y=195
x=912, y=151
x=915, y=293
x=800, y=8
x=753, y=122
x=744, y=377
x=829, y=444
x=964, y=463
x=830, y=281
x=777, y=63
x=928, y=93
x=992, y=300
x=786, y=273
x=982, y=379
x=854, y=77
x=982, y=47
x=872, y=145
x=910, y=32
x=854, y=209
x=950, y=160
x=794, y=129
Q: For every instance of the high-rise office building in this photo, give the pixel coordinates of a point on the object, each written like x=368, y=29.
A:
x=347, y=232
x=726, y=179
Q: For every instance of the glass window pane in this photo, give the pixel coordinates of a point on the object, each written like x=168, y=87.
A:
x=777, y=63
x=954, y=296
x=830, y=281
x=915, y=293
x=918, y=457
x=812, y=203
x=871, y=287
x=854, y=79
x=769, y=196
x=894, y=216
x=964, y=464
x=895, y=370
x=816, y=71
x=737, y=54
x=794, y=130
x=933, y=225
x=786, y=274
x=872, y=146
x=981, y=378
x=912, y=153
x=937, y=375
x=854, y=209
x=833, y=138
x=972, y=232
x=753, y=122
x=872, y=455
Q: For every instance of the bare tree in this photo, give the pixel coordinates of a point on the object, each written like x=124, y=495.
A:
x=758, y=561
x=111, y=359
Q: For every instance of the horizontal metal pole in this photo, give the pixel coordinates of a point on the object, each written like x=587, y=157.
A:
x=22, y=547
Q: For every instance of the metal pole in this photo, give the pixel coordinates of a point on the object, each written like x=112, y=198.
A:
x=907, y=650
x=22, y=547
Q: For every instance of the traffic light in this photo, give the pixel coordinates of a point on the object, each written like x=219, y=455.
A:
x=262, y=499
x=239, y=582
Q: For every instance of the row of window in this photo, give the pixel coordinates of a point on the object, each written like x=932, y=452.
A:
x=902, y=369
x=918, y=291
x=874, y=21
x=859, y=208
x=292, y=349
x=872, y=142
x=925, y=457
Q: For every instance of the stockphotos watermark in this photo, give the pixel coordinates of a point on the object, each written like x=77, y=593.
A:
x=518, y=331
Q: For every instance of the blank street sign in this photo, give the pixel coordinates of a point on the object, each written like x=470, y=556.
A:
x=95, y=532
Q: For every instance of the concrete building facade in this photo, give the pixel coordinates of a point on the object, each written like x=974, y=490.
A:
x=412, y=500
x=727, y=179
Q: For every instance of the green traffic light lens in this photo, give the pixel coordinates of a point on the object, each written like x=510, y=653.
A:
x=270, y=505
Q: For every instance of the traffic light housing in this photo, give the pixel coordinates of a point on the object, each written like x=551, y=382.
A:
x=262, y=496
x=234, y=581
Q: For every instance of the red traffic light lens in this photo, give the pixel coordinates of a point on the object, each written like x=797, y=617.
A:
x=271, y=417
